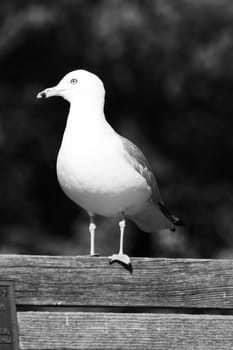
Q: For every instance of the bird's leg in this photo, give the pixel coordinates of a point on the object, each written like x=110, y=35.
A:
x=92, y=227
x=122, y=225
x=121, y=257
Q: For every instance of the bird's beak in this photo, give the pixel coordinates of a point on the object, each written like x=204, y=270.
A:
x=53, y=91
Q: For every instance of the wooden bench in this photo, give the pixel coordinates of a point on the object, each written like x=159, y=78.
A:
x=84, y=303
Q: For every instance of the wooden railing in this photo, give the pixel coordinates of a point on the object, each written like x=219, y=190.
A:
x=85, y=303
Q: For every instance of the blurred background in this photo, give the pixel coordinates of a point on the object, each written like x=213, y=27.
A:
x=167, y=67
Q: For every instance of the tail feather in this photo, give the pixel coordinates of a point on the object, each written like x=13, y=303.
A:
x=174, y=219
x=177, y=221
x=151, y=219
x=155, y=217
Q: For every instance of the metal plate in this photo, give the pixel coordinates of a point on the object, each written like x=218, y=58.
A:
x=8, y=321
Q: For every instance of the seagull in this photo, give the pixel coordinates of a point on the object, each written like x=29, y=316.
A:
x=102, y=171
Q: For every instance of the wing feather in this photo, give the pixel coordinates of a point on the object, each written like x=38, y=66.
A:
x=137, y=159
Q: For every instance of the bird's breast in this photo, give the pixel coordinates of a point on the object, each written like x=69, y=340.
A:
x=96, y=176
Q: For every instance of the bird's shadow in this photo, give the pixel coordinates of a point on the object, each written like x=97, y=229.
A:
x=128, y=267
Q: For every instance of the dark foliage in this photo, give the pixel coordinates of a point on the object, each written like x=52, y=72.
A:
x=168, y=71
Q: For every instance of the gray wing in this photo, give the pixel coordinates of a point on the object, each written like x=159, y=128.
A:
x=137, y=159
x=139, y=162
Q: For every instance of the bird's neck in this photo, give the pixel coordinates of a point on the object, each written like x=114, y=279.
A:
x=85, y=106
x=86, y=115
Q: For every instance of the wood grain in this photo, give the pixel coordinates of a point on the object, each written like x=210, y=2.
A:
x=85, y=281
x=44, y=330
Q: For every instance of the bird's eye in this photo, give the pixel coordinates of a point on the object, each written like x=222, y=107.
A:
x=74, y=81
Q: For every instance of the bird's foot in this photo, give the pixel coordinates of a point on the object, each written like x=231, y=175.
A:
x=121, y=258
x=94, y=254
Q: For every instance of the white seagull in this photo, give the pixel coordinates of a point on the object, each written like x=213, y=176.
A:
x=101, y=171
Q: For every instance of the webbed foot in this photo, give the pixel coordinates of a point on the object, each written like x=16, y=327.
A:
x=122, y=259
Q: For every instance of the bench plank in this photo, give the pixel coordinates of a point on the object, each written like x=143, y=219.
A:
x=85, y=281
x=57, y=330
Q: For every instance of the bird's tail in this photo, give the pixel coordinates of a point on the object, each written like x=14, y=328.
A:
x=174, y=219
x=154, y=217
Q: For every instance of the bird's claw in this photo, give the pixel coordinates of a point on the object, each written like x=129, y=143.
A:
x=95, y=254
x=121, y=258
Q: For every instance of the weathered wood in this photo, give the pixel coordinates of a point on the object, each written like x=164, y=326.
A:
x=85, y=281
x=44, y=330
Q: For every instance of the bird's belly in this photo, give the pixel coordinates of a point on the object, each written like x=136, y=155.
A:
x=105, y=185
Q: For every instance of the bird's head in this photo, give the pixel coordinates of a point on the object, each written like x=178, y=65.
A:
x=77, y=84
